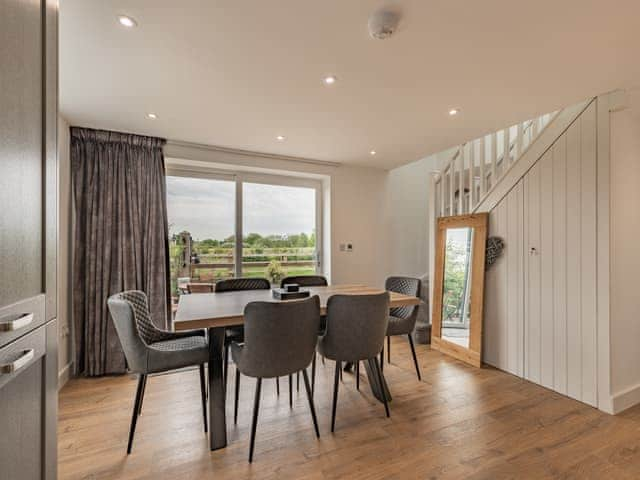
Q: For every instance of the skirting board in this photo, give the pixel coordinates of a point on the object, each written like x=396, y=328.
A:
x=64, y=375
x=625, y=399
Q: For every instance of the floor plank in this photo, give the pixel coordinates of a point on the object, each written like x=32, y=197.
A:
x=459, y=422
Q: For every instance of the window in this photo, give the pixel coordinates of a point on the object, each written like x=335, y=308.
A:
x=279, y=231
x=277, y=218
x=201, y=217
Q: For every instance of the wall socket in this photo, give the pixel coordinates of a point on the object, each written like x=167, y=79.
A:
x=346, y=247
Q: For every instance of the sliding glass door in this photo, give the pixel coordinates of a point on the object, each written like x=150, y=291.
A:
x=201, y=216
x=274, y=221
x=279, y=231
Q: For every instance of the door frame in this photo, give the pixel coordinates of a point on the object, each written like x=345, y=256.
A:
x=242, y=177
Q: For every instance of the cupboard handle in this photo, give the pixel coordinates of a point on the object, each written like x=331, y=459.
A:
x=16, y=323
x=18, y=363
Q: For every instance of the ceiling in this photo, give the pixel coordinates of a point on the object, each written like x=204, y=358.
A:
x=238, y=73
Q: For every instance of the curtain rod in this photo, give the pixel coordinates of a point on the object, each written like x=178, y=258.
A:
x=249, y=153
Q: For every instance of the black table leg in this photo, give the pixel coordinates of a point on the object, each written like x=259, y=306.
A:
x=377, y=389
x=217, y=396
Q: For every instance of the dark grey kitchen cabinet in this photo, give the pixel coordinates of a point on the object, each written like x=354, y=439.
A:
x=28, y=239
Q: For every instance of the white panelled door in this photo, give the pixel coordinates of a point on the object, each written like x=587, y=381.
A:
x=540, y=296
x=560, y=264
x=503, y=342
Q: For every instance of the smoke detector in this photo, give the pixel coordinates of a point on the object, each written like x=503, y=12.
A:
x=383, y=23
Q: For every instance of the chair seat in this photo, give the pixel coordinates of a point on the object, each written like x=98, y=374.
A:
x=399, y=326
x=178, y=353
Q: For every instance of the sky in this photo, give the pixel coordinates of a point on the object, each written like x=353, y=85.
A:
x=206, y=208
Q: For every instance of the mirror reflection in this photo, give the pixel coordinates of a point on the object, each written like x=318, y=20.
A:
x=456, y=292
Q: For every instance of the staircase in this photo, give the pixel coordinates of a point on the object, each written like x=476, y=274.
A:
x=477, y=166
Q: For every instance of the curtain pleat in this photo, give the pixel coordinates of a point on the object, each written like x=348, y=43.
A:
x=120, y=238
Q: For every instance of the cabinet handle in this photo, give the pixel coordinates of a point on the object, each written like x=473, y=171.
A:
x=18, y=363
x=16, y=323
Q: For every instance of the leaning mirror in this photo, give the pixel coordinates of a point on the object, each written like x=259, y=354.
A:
x=458, y=289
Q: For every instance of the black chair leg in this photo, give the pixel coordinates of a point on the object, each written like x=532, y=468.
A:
x=389, y=349
x=144, y=389
x=336, y=382
x=415, y=359
x=380, y=381
x=278, y=386
x=313, y=374
x=254, y=422
x=382, y=358
x=298, y=382
x=311, y=405
x=235, y=405
x=136, y=410
x=358, y=375
x=203, y=393
x=341, y=374
x=290, y=391
x=322, y=359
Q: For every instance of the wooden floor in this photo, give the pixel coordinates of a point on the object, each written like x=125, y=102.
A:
x=458, y=423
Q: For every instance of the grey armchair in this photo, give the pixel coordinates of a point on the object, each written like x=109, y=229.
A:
x=356, y=327
x=151, y=350
x=307, y=281
x=234, y=334
x=402, y=320
x=279, y=340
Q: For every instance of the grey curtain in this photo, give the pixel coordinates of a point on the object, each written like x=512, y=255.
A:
x=120, y=238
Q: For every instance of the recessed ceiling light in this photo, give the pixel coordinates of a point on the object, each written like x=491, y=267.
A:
x=330, y=79
x=372, y=152
x=454, y=111
x=280, y=138
x=126, y=21
x=152, y=116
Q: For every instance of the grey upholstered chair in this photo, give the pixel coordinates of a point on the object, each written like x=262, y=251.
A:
x=151, y=350
x=279, y=339
x=236, y=284
x=356, y=326
x=402, y=320
x=306, y=281
x=234, y=334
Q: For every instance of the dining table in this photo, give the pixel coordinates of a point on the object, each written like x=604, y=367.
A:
x=218, y=311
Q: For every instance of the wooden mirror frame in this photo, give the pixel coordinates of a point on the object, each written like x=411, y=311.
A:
x=477, y=221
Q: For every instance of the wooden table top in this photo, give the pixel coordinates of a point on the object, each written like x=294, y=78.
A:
x=226, y=309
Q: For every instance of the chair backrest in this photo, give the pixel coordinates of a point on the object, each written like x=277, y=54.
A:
x=235, y=284
x=280, y=337
x=130, y=314
x=407, y=286
x=356, y=326
x=200, y=287
x=305, y=281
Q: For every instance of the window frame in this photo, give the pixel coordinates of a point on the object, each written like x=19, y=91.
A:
x=242, y=177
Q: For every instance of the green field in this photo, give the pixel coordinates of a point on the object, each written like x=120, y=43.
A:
x=212, y=260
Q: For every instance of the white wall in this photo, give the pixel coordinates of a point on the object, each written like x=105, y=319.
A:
x=64, y=253
x=408, y=223
x=359, y=216
x=356, y=201
x=625, y=252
